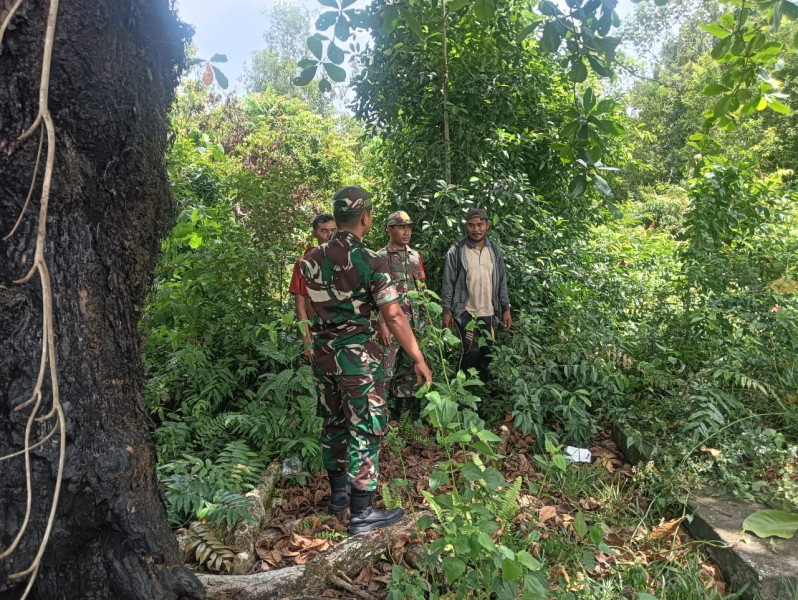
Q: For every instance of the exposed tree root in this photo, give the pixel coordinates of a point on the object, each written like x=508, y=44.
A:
x=345, y=560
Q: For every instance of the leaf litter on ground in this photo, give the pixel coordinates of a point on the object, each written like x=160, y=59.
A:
x=300, y=528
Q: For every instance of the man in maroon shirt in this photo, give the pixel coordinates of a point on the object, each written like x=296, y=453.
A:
x=323, y=230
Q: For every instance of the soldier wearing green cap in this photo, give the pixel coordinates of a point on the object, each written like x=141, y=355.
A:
x=407, y=272
x=348, y=286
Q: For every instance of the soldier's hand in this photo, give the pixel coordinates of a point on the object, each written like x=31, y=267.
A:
x=384, y=335
x=423, y=374
x=507, y=319
x=447, y=321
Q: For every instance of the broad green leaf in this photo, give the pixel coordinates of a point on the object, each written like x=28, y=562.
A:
x=598, y=68
x=614, y=210
x=551, y=38
x=454, y=568
x=778, y=107
x=727, y=20
x=588, y=560
x=577, y=186
x=578, y=70
x=596, y=534
x=329, y=3
x=220, y=58
x=425, y=522
x=326, y=20
x=549, y=9
x=335, y=72
x=511, y=571
x=437, y=479
x=485, y=541
x=335, y=54
x=314, y=45
x=306, y=63
x=488, y=436
x=484, y=10
x=580, y=525
x=389, y=18
x=471, y=472
x=713, y=89
x=347, y=3
x=605, y=105
x=306, y=76
x=767, y=523
x=559, y=460
x=602, y=185
x=412, y=22
x=529, y=561
x=458, y=4
x=534, y=588
x=493, y=479
x=527, y=30
x=721, y=47
x=221, y=78
x=342, y=28
x=716, y=30
x=458, y=437
x=325, y=85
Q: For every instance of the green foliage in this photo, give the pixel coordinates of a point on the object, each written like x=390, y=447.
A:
x=227, y=384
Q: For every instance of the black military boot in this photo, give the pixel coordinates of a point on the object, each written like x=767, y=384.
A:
x=339, y=492
x=364, y=518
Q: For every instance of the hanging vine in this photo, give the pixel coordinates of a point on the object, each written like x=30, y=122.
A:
x=36, y=403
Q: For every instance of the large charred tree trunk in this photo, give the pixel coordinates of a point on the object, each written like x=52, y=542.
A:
x=115, y=67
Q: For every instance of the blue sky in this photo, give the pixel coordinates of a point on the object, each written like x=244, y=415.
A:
x=235, y=28
x=231, y=27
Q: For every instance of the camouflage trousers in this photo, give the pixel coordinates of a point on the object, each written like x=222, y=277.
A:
x=400, y=376
x=355, y=417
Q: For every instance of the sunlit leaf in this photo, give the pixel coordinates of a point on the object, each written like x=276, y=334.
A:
x=484, y=10
x=716, y=30
x=335, y=72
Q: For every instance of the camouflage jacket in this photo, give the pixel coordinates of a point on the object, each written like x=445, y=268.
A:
x=347, y=283
x=407, y=273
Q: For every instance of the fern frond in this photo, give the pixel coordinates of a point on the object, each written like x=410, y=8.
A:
x=433, y=505
x=208, y=550
x=509, y=507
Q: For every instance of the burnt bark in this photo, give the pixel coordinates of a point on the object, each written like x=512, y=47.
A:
x=115, y=67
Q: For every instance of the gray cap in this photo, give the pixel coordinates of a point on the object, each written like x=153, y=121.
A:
x=477, y=212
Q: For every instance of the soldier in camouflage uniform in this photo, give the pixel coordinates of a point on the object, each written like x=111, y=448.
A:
x=407, y=273
x=348, y=285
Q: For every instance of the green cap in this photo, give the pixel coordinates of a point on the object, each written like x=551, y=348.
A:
x=351, y=199
x=477, y=212
x=400, y=217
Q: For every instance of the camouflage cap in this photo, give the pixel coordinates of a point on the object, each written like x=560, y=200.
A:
x=477, y=212
x=351, y=199
x=400, y=217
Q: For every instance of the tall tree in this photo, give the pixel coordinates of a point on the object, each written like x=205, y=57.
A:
x=114, y=68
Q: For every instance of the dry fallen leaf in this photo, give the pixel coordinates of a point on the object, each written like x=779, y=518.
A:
x=714, y=452
x=558, y=572
x=546, y=513
x=667, y=529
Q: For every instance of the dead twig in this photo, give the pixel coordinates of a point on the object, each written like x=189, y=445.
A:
x=340, y=583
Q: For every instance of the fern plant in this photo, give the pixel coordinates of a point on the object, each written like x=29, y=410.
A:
x=207, y=550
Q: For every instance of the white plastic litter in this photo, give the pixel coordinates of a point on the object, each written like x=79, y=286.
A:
x=578, y=454
x=292, y=465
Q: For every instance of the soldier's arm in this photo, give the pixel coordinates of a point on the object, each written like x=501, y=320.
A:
x=396, y=321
